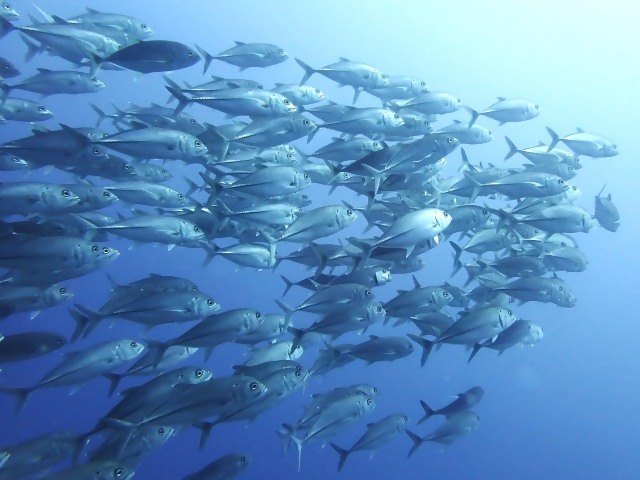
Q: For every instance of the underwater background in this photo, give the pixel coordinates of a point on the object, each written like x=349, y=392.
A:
x=564, y=408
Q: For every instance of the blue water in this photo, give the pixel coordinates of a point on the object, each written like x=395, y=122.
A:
x=565, y=408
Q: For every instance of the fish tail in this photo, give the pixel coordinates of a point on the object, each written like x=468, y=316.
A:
x=82, y=321
x=343, y=454
x=457, y=264
x=211, y=254
x=554, y=139
x=101, y=115
x=366, y=251
x=417, y=441
x=21, y=394
x=377, y=177
x=183, y=101
x=5, y=26
x=288, y=284
x=324, y=260
x=476, y=349
x=308, y=71
x=192, y=187
x=207, y=58
x=285, y=434
x=512, y=148
x=288, y=311
x=157, y=350
x=428, y=412
x=32, y=48
x=114, y=378
x=6, y=89
x=474, y=115
x=205, y=428
x=426, y=345
x=171, y=83
x=298, y=334
x=126, y=428
x=4, y=456
x=91, y=320
x=78, y=446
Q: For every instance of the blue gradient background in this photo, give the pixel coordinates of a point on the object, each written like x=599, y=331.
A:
x=566, y=408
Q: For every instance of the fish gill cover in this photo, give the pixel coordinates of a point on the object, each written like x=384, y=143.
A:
x=358, y=201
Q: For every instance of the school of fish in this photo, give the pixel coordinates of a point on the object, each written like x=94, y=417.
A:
x=509, y=228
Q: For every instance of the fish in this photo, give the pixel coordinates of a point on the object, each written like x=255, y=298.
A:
x=153, y=56
x=226, y=467
x=507, y=110
x=49, y=82
x=24, y=346
x=248, y=55
x=463, y=402
x=583, y=143
x=454, y=428
x=7, y=69
x=606, y=213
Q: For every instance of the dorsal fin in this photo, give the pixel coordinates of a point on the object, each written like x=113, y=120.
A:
x=43, y=70
x=541, y=143
x=416, y=283
x=239, y=44
x=59, y=20
x=137, y=125
x=342, y=59
x=579, y=130
x=91, y=10
x=501, y=99
x=374, y=337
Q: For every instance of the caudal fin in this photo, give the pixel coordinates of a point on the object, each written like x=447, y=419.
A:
x=457, y=264
x=428, y=412
x=554, y=139
x=288, y=284
x=298, y=335
x=92, y=320
x=417, y=441
x=308, y=71
x=288, y=311
x=114, y=378
x=207, y=58
x=474, y=352
x=21, y=394
x=82, y=321
x=512, y=149
x=183, y=101
x=205, y=428
x=426, y=345
x=343, y=454
x=474, y=115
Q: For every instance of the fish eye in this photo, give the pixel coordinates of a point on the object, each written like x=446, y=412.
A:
x=65, y=193
x=367, y=293
x=258, y=315
x=106, y=195
x=615, y=146
x=118, y=472
x=194, y=288
x=298, y=374
x=445, y=294
x=535, y=232
x=190, y=53
x=449, y=140
x=445, y=214
x=318, y=90
x=105, y=250
x=253, y=386
x=41, y=109
x=161, y=431
x=396, y=116
x=127, y=167
x=571, y=169
x=406, y=419
x=164, y=172
x=243, y=459
x=143, y=26
x=289, y=155
x=193, y=120
x=484, y=212
x=198, y=143
x=94, y=79
x=345, y=175
x=180, y=196
x=63, y=291
x=306, y=122
x=287, y=102
x=384, y=76
x=196, y=228
x=133, y=345
x=305, y=197
x=349, y=212
x=7, y=6
x=560, y=288
x=15, y=160
x=306, y=177
x=375, y=144
x=426, y=123
x=96, y=151
x=210, y=303
x=509, y=312
x=369, y=402
x=574, y=188
x=280, y=51
x=94, y=249
x=459, y=100
x=199, y=373
x=379, y=309
x=536, y=107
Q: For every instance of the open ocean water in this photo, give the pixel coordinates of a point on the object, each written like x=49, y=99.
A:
x=564, y=408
